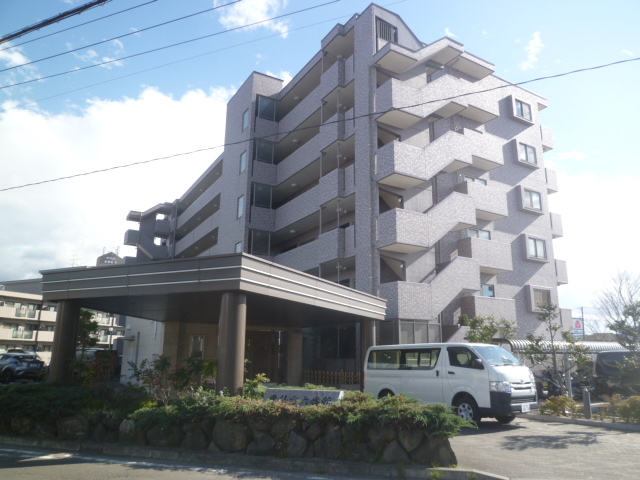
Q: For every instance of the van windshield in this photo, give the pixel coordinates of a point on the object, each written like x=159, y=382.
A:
x=497, y=356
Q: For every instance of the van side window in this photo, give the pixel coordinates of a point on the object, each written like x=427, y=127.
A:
x=461, y=357
x=422, y=359
x=384, y=360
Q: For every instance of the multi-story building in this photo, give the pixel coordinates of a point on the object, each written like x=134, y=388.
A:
x=401, y=169
x=26, y=321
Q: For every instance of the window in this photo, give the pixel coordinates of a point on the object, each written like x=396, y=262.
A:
x=241, y=206
x=264, y=151
x=481, y=181
x=527, y=154
x=488, y=290
x=532, y=200
x=384, y=360
x=243, y=161
x=266, y=108
x=386, y=31
x=523, y=110
x=475, y=232
x=262, y=195
x=245, y=120
x=541, y=297
x=461, y=357
x=423, y=359
x=537, y=248
x=538, y=296
x=196, y=346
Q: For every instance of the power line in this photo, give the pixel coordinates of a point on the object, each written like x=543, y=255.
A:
x=119, y=36
x=52, y=20
x=79, y=25
x=175, y=62
x=317, y=126
x=170, y=46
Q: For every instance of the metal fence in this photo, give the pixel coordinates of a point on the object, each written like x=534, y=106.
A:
x=325, y=377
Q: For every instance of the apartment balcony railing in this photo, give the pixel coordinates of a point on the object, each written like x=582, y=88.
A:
x=561, y=272
x=547, y=138
x=488, y=306
x=395, y=98
x=20, y=313
x=207, y=228
x=45, y=336
x=332, y=245
x=556, y=225
x=22, y=334
x=493, y=257
x=490, y=204
x=163, y=227
x=406, y=231
x=409, y=300
x=202, y=207
x=47, y=316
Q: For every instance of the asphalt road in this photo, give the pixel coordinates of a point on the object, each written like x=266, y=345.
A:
x=534, y=450
x=19, y=463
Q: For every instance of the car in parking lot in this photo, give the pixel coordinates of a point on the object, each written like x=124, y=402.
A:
x=18, y=366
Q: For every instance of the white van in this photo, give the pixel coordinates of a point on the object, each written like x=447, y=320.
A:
x=480, y=380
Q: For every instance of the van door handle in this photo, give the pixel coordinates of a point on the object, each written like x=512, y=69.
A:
x=451, y=373
x=437, y=373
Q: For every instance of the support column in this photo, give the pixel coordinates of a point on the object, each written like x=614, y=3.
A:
x=64, y=341
x=231, y=341
x=294, y=357
x=367, y=337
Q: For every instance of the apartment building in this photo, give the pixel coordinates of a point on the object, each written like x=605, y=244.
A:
x=378, y=167
x=26, y=322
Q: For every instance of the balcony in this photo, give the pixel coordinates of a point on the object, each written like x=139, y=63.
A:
x=394, y=98
x=422, y=301
x=490, y=204
x=476, y=306
x=556, y=225
x=335, y=244
x=552, y=181
x=403, y=231
x=493, y=257
x=45, y=336
x=561, y=272
x=547, y=138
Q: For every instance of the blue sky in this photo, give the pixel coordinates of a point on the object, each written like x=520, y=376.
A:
x=150, y=106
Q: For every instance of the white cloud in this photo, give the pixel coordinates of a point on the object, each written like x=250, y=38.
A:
x=533, y=48
x=12, y=57
x=449, y=33
x=600, y=236
x=251, y=11
x=283, y=75
x=48, y=225
x=485, y=34
x=628, y=52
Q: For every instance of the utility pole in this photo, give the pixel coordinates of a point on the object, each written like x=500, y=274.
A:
x=584, y=327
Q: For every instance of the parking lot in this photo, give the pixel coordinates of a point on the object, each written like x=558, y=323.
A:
x=535, y=450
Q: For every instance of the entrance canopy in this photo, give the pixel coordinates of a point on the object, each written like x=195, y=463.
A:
x=233, y=291
x=191, y=290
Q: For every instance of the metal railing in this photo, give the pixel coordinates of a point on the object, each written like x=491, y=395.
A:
x=325, y=377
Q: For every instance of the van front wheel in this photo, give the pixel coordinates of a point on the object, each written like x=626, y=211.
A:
x=467, y=408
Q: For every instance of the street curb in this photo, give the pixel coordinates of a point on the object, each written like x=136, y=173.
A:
x=243, y=461
x=625, y=427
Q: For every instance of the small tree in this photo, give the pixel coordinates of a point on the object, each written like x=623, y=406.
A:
x=620, y=305
x=87, y=331
x=484, y=329
x=557, y=343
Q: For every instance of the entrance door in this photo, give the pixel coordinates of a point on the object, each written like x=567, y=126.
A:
x=264, y=351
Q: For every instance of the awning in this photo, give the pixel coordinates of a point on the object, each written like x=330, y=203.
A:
x=520, y=346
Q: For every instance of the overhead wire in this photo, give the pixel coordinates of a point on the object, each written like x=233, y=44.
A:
x=136, y=32
x=169, y=46
x=76, y=26
x=507, y=85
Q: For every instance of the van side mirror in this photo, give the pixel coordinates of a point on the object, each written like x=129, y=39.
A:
x=478, y=365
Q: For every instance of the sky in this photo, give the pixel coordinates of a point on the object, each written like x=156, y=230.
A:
x=109, y=111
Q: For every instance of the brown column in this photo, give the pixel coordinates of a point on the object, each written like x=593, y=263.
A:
x=64, y=341
x=231, y=341
x=294, y=356
x=368, y=337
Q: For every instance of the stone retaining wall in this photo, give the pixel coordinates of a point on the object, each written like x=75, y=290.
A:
x=282, y=438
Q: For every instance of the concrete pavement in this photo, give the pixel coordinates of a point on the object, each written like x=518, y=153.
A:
x=535, y=450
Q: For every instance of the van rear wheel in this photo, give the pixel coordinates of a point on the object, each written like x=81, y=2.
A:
x=467, y=408
x=385, y=393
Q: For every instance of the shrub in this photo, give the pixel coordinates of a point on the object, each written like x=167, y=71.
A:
x=629, y=409
x=562, y=406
